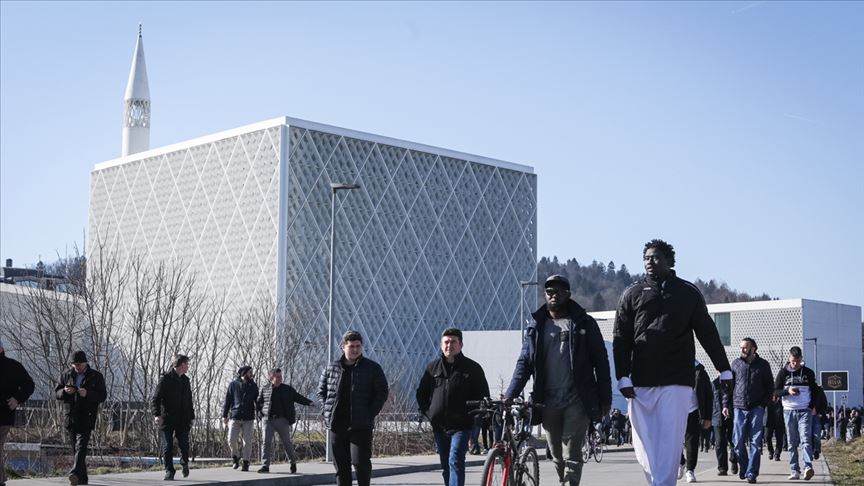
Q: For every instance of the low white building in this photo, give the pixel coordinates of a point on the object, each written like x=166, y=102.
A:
x=829, y=333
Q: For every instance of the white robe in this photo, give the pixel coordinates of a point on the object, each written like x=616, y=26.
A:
x=658, y=416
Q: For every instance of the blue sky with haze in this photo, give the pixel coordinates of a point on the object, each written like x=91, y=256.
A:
x=732, y=129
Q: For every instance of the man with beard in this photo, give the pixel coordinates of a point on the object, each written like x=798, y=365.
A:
x=15, y=388
x=238, y=412
x=564, y=350
x=81, y=389
x=752, y=392
x=654, y=352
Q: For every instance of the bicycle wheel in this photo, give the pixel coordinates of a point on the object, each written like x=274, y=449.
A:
x=528, y=473
x=598, y=449
x=493, y=468
x=586, y=447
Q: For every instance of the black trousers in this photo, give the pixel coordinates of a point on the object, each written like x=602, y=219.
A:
x=80, y=440
x=692, y=435
x=167, y=435
x=774, y=439
x=352, y=447
x=723, y=447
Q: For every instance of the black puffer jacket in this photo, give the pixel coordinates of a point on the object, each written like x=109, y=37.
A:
x=82, y=412
x=16, y=383
x=172, y=401
x=589, y=362
x=369, y=391
x=441, y=396
x=754, y=384
x=653, y=335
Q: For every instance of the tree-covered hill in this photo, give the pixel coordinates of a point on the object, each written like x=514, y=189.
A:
x=598, y=286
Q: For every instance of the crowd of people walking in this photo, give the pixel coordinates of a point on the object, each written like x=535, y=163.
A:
x=673, y=410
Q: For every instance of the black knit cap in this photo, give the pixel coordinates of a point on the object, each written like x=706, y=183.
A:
x=79, y=357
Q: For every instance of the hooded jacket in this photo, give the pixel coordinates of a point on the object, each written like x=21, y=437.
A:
x=653, y=333
x=82, y=412
x=589, y=362
x=16, y=383
x=443, y=391
x=240, y=397
x=803, y=379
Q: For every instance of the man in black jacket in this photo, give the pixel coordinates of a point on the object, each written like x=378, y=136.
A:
x=564, y=350
x=82, y=389
x=445, y=386
x=238, y=413
x=723, y=446
x=16, y=386
x=352, y=391
x=698, y=419
x=752, y=392
x=654, y=352
x=275, y=404
x=174, y=413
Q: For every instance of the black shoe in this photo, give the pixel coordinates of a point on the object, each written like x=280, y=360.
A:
x=735, y=469
x=169, y=475
x=236, y=461
x=73, y=479
x=816, y=455
x=245, y=466
x=721, y=473
x=751, y=479
x=264, y=469
x=293, y=467
x=777, y=457
x=185, y=470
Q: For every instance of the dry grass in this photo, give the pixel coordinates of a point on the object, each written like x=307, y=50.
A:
x=846, y=461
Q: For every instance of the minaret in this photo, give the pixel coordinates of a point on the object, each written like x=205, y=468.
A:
x=136, y=104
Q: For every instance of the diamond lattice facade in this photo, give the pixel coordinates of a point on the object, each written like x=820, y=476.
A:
x=432, y=238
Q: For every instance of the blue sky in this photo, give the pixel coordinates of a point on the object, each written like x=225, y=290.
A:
x=731, y=129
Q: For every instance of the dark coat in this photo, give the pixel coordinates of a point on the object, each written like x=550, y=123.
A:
x=442, y=396
x=589, y=362
x=704, y=393
x=289, y=396
x=719, y=397
x=16, y=383
x=172, y=401
x=653, y=333
x=82, y=412
x=240, y=400
x=369, y=391
x=753, y=383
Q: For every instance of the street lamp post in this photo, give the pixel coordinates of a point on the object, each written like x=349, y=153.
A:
x=334, y=186
x=522, y=304
x=815, y=353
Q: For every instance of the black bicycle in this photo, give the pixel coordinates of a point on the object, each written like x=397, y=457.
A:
x=512, y=461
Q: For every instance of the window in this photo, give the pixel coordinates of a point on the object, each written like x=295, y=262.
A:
x=724, y=327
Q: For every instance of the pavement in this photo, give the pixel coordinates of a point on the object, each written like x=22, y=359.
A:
x=618, y=468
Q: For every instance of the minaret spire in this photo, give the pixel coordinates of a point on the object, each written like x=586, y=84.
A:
x=136, y=104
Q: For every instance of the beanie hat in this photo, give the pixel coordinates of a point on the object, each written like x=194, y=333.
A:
x=79, y=357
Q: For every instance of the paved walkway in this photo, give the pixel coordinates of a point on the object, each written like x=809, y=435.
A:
x=618, y=468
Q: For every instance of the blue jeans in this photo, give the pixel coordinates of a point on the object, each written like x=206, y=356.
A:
x=747, y=436
x=451, y=450
x=798, y=431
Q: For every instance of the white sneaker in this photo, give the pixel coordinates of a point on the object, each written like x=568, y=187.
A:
x=680, y=471
x=691, y=477
x=808, y=473
x=795, y=475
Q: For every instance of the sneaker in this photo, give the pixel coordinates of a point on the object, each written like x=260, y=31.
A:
x=808, y=473
x=691, y=477
x=815, y=454
x=169, y=475
x=73, y=479
x=264, y=469
x=293, y=467
x=722, y=473
x=751, y=479
x=735, y=468
x=185, y=469
x=236, y=461
x=245, y=466
x=681, y=471
x=795, y=475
